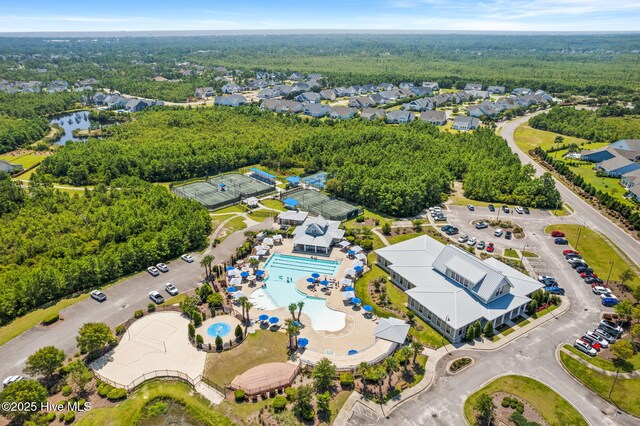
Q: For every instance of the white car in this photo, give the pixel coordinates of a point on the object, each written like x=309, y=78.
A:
x=603, y=342
x=11, y=379
x=98, y=295
x=543, y=278
x=604, y=335
x=153, y=271
x=600, y=290
x=498, y=233
x=471, y=207
x=463, y=238
x=171, y=289
x=187, y=258
x=156, y=297
x=472, y=241
x=519, y=210
x=584, y=347
x=162, y=267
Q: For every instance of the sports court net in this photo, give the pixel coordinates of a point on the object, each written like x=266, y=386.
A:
x=320, y=204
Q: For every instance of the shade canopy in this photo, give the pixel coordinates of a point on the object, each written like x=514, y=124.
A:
x=357, y=249
x=357, y=268
x=352, y=352
x=261, y=252
x=349, y=288
x=367, y=308
x=360, y=256
x=344, y=244
x=263, y=317
x=290, y=202
x=315, y=275
x=311, y=280
x=324, y=282
x=244, y=274
x=237, y=295
x=232, y=289
x=351, y=252
x=346, y=281
x=348, y=295
x=230, y=268
x=236, y=281
x=350, y=272
x=274, y=320
x=303, y=342
x=259, y=273
x=356, y=301
x=392, y=329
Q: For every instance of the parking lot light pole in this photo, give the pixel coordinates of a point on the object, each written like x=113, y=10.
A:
x=446, y=323
x=522, y=254
x=610, y=269
x=579, y=233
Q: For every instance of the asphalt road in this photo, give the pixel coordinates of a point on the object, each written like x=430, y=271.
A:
x=123, y=299
x=583, y=212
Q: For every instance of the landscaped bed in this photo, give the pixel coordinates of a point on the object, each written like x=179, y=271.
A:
x=460, y=364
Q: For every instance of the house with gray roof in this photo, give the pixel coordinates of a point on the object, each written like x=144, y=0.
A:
x=135, y=105
x=296, y=76
x=315, y=110
x=9, y=168
x=269, y=93
x=373, y=114
x=451, y=289
x=635, y=193
x=231, y=100
x=496, y=90
x=301, y=87
x=98, y=98
x=342, y=112
x=317, y=235
x=292, y=217
x=437, y=118
x=473, y=86
x=400, y=117
x=204, y=92
x=328, y=94
x=421, y=104
x=630, y=179
x=484, y=108
x=421, y=91
x=385, y=86
x=521, y=91
x=617, y=166
x=231, y=88
x=288, y=107
x=361, y=102
x=431, y=85
x=464, y=123
x=57, y=86
x=311, y=97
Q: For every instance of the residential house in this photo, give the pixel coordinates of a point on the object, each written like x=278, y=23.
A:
x=342, y=112
x=630, y=179
x=87, y=82
x=390, y=95
x=8, y=168
x=521, y=91
x=421, y=104
x=541, y=93
x=377, y=98
x=478, y=94
x=431, y=85
x=328, y=94
x=460, y=97
x=385, y=86
x=635, y=193
x=314, y=84
x=315, y=76
x=115, y=101
x=507, y=103
x=400, y=117
x=628, y=148
x=496, y=90
x=617, y=166
x=135, y=105
x=284, y=90
x=301, y=87
x=421, y=91
x=369, y=88
x=310, y=97
x=289, y=107
x=340, y=91
x=269, y=104
x=204, y=92
x=361, y=102
x=437, y=118
x=57, y=86
x=296, y=76
x=405, y=93
x=231, y=100
x=231, y=88
x=464, y=123
x=315, y=110
x=349, y=91
x=257, y=84
x=598, y=155
x=317, y=235
x=451, y=289
x=269, y=93
x=373, y=114
x=98, y=98
x=484, y=108
x=405, y=85
x=473, y=86
x=441, y=99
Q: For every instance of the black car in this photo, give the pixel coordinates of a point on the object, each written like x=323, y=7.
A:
x=505, y=209
x=452, y=231
x=572, y=256
x=446, y=228
x=492, y=208
x=526, y=210
x=561, y=241
x=585, y=269
x=593, y=280
x=507, y=235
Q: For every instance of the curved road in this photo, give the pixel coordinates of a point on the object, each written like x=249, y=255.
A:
x=583, y=212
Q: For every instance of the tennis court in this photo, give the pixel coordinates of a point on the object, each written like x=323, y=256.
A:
x=317, y=180
x=223, y=190
x=320, y=204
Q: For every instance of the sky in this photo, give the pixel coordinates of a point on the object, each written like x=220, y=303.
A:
x=456, y=15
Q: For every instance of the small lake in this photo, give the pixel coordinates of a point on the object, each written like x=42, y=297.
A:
x=71, y=122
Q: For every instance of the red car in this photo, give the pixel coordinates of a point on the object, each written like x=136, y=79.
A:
x=557, y=234
x=591, y=342
x=569, y=251
x=490, y=247
x=588, y=274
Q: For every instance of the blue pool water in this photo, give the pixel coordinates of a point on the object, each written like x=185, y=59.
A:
x=218, y=329
x=280, y=293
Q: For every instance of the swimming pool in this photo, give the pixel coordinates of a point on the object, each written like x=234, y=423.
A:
x=279, y=292
x=218, y=329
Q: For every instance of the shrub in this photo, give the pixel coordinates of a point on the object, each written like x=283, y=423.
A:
x=279, y=403
x=81, y=402
x=138, y=314
x=218, y=343
x=360, y=219
x=238, y=332
x=104, y=389
x=192, y=331
x=116, y=394
x=49, y=417
x=50, y=319
x=69, y=418
x=239, y=395
x=520, y=407
x=514, y=403
x=67, y=390
x=308, y=414
x=346, y=380
x=506, y=401
x=120, y=329
x=197, y=319
x=61, y=417
x=521, y=420
x=290, y=392
x=151, y=307
x=199, y=341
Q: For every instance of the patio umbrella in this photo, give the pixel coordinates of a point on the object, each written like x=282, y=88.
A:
x=303, y=342
x=367, y=308
x=350, y=272
x=346, y=281
x=315, y=275
x=232, y=289
x=230, y=268
x=324, y=282
x=351, y=252
x=311, y=280
x=297, y=323
x=356, y=301
x=236, y=281
x=259, y=273
x=244, y=274
x=237, y=295
x=357, y=268
x=352, y=352
x=263, y=317
x=348, y=295
x=349, y=288
x=274, y=320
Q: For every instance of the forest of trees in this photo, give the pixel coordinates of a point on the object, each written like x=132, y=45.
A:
x=395, y=169
x=37, y=105
x=53, y=244
x=17, y=132
x=603, y=125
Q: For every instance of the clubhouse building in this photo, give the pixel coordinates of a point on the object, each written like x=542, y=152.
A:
x=451, y=289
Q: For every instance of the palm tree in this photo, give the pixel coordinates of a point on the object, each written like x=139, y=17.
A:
x=246, y=304
x=254, y=262
x=206, y=262
x=390, y=365
x=363, y=369
x=243, y=305
x=291, y=330
x=417, y=348
x=292, y=310
x=380, y=372
x=300, y=306
x=405, y=353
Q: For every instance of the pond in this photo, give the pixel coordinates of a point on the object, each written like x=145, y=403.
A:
x=71, y=122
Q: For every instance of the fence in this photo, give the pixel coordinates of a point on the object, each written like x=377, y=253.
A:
x=125, y=325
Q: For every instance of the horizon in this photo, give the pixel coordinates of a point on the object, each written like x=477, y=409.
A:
x=533, y=16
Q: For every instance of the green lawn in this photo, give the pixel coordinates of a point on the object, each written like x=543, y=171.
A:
x=27, y=160
x=403, y=237
x=231, y=209
x=528, y=138
x=175, y=299
x=235, y=224
x=337, y=402
x=545, y=312
x=217, y=220
x=128, y=412
x=625, y=395
x=551, y=406
x=605, y=364
x=605, y=184
x=509, y=252
x=461, y=200
x=261, y=215
x=596, y=251
x=530, y=254
x=273, y=204
x=369, y=214
x=259, y=348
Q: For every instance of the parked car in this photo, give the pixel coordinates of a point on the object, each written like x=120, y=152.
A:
x=492, y=208
x=609, y=301
x=452, y=231
x=526, y=210
x=98, y=295
x=557, y=234
x=584, y=347
x=472, y=241
x=440, y=218
x=584, y=268
x=505, y=209
x=588, y=275
x=610, y=327
x=566, y=252
x=600, y=290
x=498, y=233
x=446, y=228
x=171, y=289
x=482, y=225
x=481, y=245
x=572, y=256
x=162, y=267
x=576, y=263
x=490, y=247
x=156, y=297
x=471, y=207
x=507, y=235
x=153, y=271
x=463, y=238
x=187, y=258
x=604, y=343
x=554, y=289
x=591, y=341
x=561, y=241
x=519, y=210
x=593, y=280
x=549, y=282
x=544, y=278
x=605, y=335
x=11, y=379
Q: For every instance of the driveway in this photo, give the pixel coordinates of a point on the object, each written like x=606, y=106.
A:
x=123, y=299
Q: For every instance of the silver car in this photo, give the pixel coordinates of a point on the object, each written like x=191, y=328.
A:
x=603, y=342
x=584, y=347
x=12, y=379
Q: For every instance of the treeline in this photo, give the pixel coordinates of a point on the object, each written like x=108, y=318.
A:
x=587, y=124
x=395, y=169
x=17, y=132
x=31, y=105
x=53, y=244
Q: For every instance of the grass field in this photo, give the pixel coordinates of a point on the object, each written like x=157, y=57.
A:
x=403, y=237
x=259, y=348
x=369, y=214
x=231, y=209
x=605, y=184
x=234, y=225
x=528, y=138
x=26, y=159
x=129, y=411
x=625, y=395
x=273, y=204
x=551, y=406
x=596, y=251
x=261, y=215
x=605, y=364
